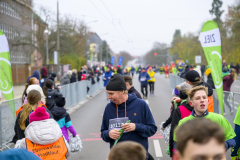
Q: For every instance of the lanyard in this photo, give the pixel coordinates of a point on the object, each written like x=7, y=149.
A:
x=125, y=109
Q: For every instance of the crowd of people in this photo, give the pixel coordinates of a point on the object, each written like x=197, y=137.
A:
x=196, y=132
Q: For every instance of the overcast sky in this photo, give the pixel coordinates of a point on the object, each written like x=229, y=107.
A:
x=134, y=25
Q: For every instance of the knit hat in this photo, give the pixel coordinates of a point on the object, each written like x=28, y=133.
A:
x=39, y=89
x=53, y=75
x=199, y=72
x=116, y=83
x=38, y=115
x=192, y=76
x=183, y=89
x=60, y=101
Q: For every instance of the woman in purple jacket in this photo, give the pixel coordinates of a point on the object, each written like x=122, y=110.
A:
x=227, y=83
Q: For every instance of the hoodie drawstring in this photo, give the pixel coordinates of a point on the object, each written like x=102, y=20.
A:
x=125, y=109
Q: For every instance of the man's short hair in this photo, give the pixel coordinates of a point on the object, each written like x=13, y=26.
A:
x=128, y=79
x=199, y=130
x=127, y=150
x=191, y=92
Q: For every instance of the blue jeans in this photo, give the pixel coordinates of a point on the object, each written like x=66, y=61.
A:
x=237, y=139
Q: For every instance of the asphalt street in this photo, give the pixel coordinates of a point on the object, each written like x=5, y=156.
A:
x=87, y=121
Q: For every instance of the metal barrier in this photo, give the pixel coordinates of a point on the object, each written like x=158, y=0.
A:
x=175, y=80
x=231, y=100
x=74, y=93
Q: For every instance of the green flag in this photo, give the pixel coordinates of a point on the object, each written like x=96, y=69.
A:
x=6, y=83
x=211, y=42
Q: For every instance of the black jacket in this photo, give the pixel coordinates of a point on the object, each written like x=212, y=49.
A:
x=133, y=90
x=79, y=75
x=19, y=133
x=205, y=84
x=175, y=119
x=73, y=78
x=52, y=94
x=210, y=81
x=169, y=120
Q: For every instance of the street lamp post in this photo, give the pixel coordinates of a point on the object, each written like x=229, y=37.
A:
x=46, y=32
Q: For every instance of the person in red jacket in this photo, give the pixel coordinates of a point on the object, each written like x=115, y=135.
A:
x=227, y=83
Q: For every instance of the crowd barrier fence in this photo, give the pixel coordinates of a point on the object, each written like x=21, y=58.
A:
x=73, y=93
x=231, y=100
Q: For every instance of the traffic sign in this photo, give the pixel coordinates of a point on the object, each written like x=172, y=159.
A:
x=198, y=59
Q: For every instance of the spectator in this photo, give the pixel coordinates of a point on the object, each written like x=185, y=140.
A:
x=119, y=70
x=66, y=79
x=199, y=101
x=44, y=72
x=193, y=78
x=209, y=78
x=43, y=135
x=237, y=69
x=227, y=83
x=203, y=71
x=50, y=93
x=31, y=81
x=200, y=139
x=127, y=150
x=73, y=77
x=130, y=87
x=22, y=121
x=126, y=106
x=35, y=74
x=80, y=74
x=182, y=111
x=63, y=118
x=17, y=154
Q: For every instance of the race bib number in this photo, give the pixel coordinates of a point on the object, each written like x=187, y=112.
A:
x=143, y=78
x=117, y=123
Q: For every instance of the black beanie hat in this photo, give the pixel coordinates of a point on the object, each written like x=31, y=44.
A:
x=60, y=101
x=192, y=76
x=116, y=83
x=183, y=95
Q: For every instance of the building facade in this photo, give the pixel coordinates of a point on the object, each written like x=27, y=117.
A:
x=16, y=23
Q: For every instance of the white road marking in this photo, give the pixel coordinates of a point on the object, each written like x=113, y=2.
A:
x=237, y=86
x=157, y=148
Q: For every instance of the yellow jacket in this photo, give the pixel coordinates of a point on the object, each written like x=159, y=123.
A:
x=208, y=71
x=151, y=74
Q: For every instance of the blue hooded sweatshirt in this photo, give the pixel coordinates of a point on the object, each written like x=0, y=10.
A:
x=143, y=78
x=35, y=74
x=17, y=154
x=138, y=112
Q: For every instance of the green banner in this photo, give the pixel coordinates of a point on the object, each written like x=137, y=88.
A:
x=211, y=42
x=6, y=83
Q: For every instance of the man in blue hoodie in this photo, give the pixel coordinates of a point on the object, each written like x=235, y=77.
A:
x=143, y=79
x=124, y=107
